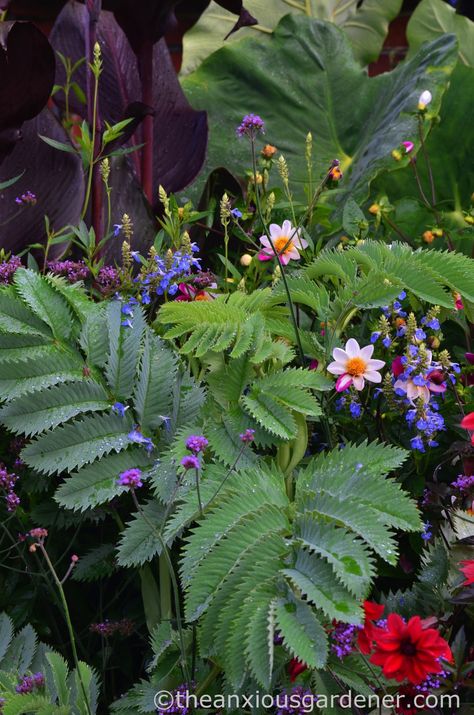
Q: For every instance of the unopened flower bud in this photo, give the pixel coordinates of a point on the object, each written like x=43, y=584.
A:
x=374, y=209
x=246, y=259
x=74, y=559
x=424, y=99
x=105, y=170
x=397, y=154
x=269, y=151
x=225, y=208
x=283, y=169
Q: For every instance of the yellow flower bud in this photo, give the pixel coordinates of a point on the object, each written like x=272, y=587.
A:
x=246, y=259
x=374, y=209
x=396, y=154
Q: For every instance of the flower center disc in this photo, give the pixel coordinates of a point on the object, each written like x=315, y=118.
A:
x=281, y=242
x=356, y=366
x=408, y=648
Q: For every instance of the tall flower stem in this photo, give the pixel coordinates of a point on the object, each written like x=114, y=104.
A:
x=92, y=145
x=67, y=616
x=174, y=584
x=277, y=255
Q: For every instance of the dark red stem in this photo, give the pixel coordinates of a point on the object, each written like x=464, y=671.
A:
x=145, y=61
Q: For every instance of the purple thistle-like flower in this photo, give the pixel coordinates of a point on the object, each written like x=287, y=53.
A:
x=297, y=701
x=247, y=436
x=250, y=126
x=176, y=702
x=196, y=443
x=108, y=280
x=190, y=461
x=130, y=478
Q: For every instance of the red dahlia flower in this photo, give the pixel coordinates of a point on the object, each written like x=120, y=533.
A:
x=467, y=567
x=407, y=651
x=373, y=611
x=468, y=423
x=295, y=667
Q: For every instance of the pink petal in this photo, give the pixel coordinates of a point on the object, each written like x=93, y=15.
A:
x=275, y=231
x=286, y=228
x=262, y=256
x=436, y=388
x=264, y=240
x=343, y=382
x=285, y=258
x=340, y=355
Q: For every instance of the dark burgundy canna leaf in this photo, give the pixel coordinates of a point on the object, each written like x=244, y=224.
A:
x=27, y=66
x=54, y=177
x=180, y=132
x=143, y=22
x=237, y=7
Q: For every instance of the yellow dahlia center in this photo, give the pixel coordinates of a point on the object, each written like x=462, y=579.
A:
x=281, y=242
x=356, y=366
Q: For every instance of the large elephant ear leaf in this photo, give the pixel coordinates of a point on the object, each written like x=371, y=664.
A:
x=433, y=18
x=304, y=78
x=26, y=79
x=366, y=24
x=56, y=179
x=180, y=132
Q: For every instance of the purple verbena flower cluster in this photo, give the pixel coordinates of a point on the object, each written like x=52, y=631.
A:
x=8, y=268
x=250, y=126
x=177, y=702
x=296, y=701
x=73, y=271
x=342, y=638
x=7, y=483
x=107, y=628
x=26, y=199
x=191, y=461
x=108, y=280
x=131, y=478
x=196, y=443
x=29, y=683
x=463, y=484
x=247, y=436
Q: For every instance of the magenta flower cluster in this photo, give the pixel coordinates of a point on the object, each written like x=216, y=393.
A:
x=247, y=436
x=7, y=483
x=26, y=199
x=196, y=443
x=107, y=628
x=250, y=126
x=131, y=478
x=29, y=683
x=8, y=268
x=72, y=271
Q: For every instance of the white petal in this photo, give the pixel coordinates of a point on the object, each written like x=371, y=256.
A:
x=352, y=348
x=358, y=382
x=412, y=390
x=292, y=253
x=400, y=385
x=373, y=376
x=286, y=228
x=275, y=231
x=335, y=368
x=264, y=240
x=340, y=355
x=425, y=97
x=367, y=352
x=375, y=364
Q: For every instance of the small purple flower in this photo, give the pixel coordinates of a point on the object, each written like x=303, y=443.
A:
x=190, y=461
x=463, y=484
x=120, y=409
x=130, y=478
x=117, y=228
x=236, y=213
x=247, y=436
x=196, y=443
x=343, y=637
x=375, y=336
x=355, y=409
x=136, y=436
x=26, y=199
x=126, y=324
x=250, y=126
x=387, y=341
x=8, y=268
x=427, y=533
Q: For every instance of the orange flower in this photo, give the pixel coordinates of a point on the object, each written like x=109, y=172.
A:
x=428, y=237
x=268, y=151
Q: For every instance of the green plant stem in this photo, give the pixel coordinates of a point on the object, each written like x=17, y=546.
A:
x=198, y=490
x=277, y=256
x=427, y=160
x=216, y=669
x=67, y=615
x=418, y=183
x=92, y=152
x=174, y=584
x=165, y=590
